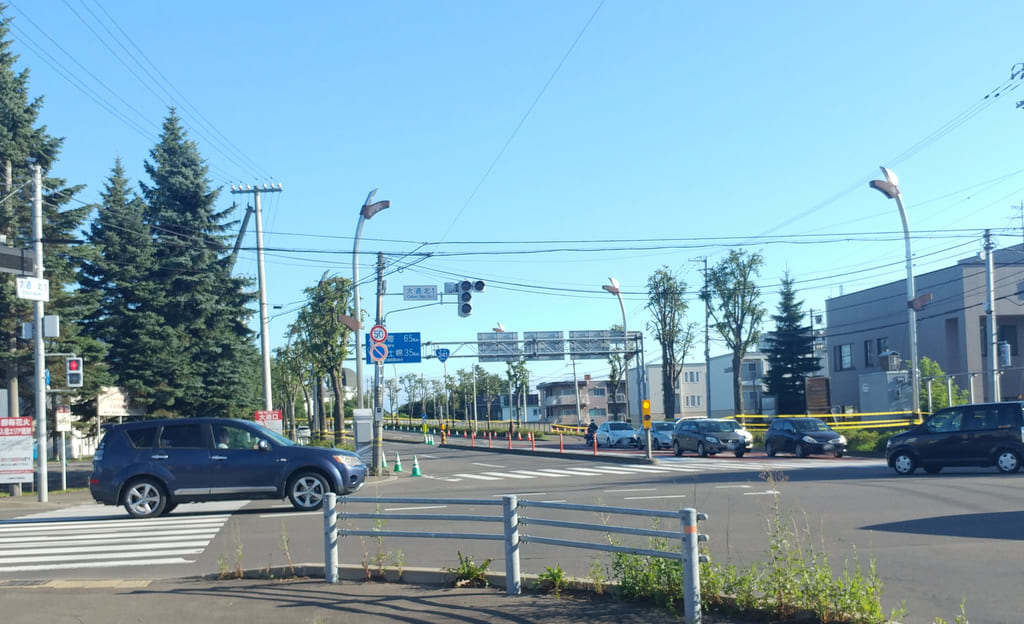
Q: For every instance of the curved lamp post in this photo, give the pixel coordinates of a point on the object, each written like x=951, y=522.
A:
x=890, y=188
x=613, y=288
x=368, y=210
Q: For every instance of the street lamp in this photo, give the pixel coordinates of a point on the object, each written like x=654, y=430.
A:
x=368, y=210
x=890, y=188
x=614, y=289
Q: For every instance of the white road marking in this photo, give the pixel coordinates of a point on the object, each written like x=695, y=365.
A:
x=477, y=476
x=511, y=475
x=649, y=497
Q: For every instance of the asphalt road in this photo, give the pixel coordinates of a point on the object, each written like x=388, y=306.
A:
x=936, y=540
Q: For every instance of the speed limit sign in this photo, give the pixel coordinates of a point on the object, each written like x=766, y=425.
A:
x=378, y=333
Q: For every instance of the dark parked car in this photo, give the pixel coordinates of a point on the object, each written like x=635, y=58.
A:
x=803, y=436
x=983, y=434
x=710, y=436
x=151, y=466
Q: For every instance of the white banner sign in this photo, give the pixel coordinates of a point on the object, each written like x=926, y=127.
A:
x=16, y=450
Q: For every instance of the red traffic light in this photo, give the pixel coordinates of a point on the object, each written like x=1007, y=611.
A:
x=74, y=364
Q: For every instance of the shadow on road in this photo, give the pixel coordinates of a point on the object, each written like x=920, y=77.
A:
x=995, y=525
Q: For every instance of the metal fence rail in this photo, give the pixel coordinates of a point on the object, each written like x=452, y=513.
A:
x=513, y=518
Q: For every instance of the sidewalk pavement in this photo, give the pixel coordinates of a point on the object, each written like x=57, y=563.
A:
x=305, y=601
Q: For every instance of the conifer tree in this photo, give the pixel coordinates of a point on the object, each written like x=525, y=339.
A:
x=22, y=138
x=207, y=356
x=790, y=350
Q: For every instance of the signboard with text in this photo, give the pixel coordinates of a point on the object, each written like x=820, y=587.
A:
x=16, y=449
x=543, y=345
x=497, y=346
x=271, y=419
x=402, y=348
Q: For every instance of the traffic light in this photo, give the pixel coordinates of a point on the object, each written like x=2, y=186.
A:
x=645, y=411
x=465, y=295
x=74, y=372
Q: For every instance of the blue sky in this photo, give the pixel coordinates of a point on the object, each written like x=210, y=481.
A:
x=590, y=138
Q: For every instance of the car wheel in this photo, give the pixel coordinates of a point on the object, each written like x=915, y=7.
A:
x=904, y=464
x=769, y=449
x=145, y=498
x=307, y=491
x=655, y=445
x=170, y=507
x=1008, y=461
x=702, y=450
x=740, y=453
x=676, y=449
x=801, y=450
x=932, y=469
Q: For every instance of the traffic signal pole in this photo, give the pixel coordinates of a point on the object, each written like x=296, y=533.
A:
x=378, y=380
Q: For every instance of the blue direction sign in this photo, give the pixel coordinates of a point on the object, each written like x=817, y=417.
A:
x=442, y=354
x=402, y=348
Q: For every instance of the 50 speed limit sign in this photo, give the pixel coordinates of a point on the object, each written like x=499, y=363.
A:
x=378, y=333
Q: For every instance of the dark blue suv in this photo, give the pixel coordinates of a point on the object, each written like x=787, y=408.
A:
x=151, y=466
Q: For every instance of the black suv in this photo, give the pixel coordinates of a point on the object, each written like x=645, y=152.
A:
x=151, y=466
x=983, y=434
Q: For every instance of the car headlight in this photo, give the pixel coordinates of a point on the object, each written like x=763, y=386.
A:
x=348, y=460
x=711, y=439
x=842, y=439
x=809, y=440
x=888, y=443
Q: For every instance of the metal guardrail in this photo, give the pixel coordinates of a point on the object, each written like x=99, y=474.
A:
x=513, y=519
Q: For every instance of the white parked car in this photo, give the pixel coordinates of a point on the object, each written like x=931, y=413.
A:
x=615, y=434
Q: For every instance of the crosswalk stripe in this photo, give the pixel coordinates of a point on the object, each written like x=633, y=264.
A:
x=481, y=477
x=86, y=536
x=512, y=475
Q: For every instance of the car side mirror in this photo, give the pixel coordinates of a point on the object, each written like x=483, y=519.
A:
x=263, y=445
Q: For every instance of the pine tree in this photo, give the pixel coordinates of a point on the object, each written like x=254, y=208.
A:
x=23, y=138
x=790, y=353
x=207, y=358
x=115, y=276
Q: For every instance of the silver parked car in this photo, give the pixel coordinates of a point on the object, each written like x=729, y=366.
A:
x=710, y=436
x=661, y=435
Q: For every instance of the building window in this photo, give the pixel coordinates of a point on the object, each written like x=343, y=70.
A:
x=844, y=357
x=749, y=370
x=870, y=355
x=883, y=345
x=597, y=412
x=597, y=392
x=1008, y=333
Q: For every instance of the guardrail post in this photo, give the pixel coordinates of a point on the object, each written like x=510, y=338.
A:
x=331, y=538
x=510, y=512
x=691, y=560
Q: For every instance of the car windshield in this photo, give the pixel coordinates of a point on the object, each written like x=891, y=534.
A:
x=720, y=426
x=663, y=426
x=810, y=425
x=619, y=426
x=276, y=437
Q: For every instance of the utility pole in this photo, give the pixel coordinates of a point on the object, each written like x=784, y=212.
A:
x=993, y=332
x=268, y=401
x=707, y=341
x=37, y=333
